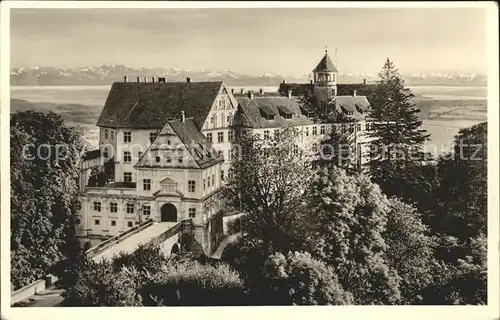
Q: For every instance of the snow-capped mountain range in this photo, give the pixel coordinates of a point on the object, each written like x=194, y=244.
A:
x=107, y=74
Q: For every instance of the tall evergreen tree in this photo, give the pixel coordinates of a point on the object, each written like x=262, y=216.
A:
x=396, y=137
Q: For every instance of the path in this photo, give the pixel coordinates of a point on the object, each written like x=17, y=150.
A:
x=47, y=298
x=224, y=243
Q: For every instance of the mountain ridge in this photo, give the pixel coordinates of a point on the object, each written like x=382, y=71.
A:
x=107, y=74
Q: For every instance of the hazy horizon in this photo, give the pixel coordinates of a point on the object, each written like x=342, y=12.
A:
x=252, y=41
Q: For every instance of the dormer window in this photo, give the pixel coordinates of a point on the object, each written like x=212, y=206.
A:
x=267, y=112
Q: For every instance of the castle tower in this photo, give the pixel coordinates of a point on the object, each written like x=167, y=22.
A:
x=325, y=81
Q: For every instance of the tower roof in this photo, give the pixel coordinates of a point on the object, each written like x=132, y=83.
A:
x=325, y=65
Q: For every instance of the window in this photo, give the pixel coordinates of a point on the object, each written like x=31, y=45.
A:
x=358, y=126
x=220, y=137
x=221, y=154
x=146, y=184
x=127, y=157
x=157, y=159
x=295, y=149
x=288, y=116
x=127, y=136
x=77, y=221
x=208, y=182
x=97, y=222
x=269, y=116
x=213, y=180
x=112, y=135
x=78, y=206
x=139, y=154
x=230, y=136
x=322, y=130
x=106, y=134
x=221, y=103
x=209, y=137
x=266, y=134
x=113, y=207
x=192, y=212
x=204, y=184
x=146, y=210
x=127, y=176
x=222, y=175
x=152, y=136
x=214, y=121
x=315, y=130
x=105, y=153
x=181, y=159
x=113, y=223
x=191, y=185
x=130, y=224
x=307, y=131
x=228, y=120
x=169, y=159
x=97, y=206
x=276, y=133
x=130, y=208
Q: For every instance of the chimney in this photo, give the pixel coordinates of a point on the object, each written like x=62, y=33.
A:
x=162, y=79
x=250, y=94
x=310, y=81
x=284, y=81
x=354, y=93
x=188, y=79
x=138, y=80
x=183, y=117
x=364, y=81
x=125, y=79
x=242, y=90
x=145, y=79
x=153, y=79
x=261, y=91
x=289, y=94
x=232, y=90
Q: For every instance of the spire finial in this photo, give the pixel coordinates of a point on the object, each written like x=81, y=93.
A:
x=326, y=49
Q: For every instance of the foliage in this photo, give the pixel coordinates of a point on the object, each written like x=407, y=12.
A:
x=299, y=279
x=409, y=250
x=42, y=190
x=269, y=178
x=147, y=259
x=189, y=283
x=463, y=185
x=350, y=214
x=336, y=150
x=96, y=284
x=396, y=137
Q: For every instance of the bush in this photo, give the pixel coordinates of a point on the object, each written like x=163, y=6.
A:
x=298, y=279
x=189, y=283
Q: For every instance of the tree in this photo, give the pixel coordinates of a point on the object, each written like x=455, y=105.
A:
x=299, y=279
x=463, y=183
x=396, y=136
x=44, y=173
x=410, y=250
x=269, y=178
x=337, y=150
x=350, y=216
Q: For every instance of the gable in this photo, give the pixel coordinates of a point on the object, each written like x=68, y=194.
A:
x=222, y=112
x=179, y=144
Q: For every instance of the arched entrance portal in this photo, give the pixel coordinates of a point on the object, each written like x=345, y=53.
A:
x=168, y=213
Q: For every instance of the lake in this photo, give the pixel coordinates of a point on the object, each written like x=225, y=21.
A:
x=443, y=121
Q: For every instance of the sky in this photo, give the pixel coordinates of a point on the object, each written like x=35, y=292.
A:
x=252, y=41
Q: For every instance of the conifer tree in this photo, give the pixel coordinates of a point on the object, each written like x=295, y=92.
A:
x=396, y=146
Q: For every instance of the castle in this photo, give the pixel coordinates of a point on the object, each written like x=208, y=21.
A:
x=165, y=148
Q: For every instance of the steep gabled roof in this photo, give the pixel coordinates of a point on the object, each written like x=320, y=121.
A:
x=325, y=65
x=140, y=105
x=191, y=137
